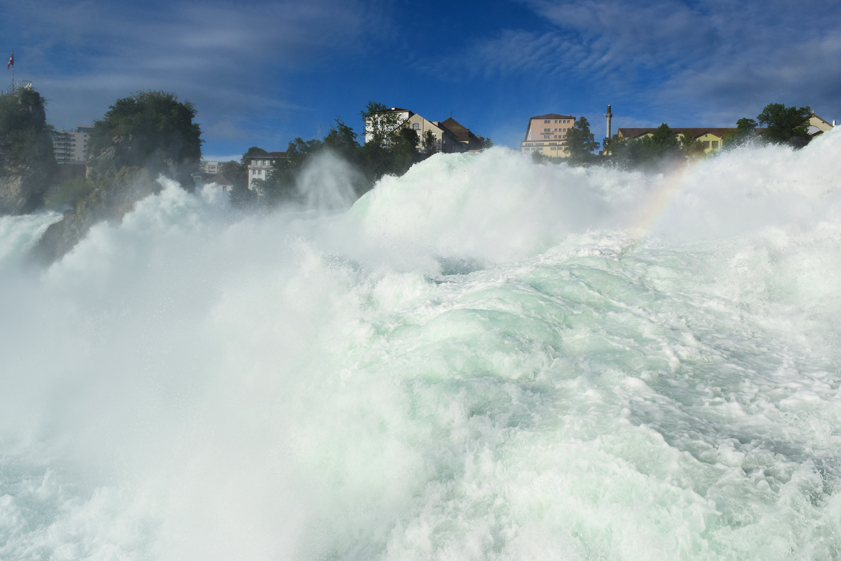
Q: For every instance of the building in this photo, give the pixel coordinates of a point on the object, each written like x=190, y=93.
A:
x=818, y=126
x=709, y=137
x=445, y=141
x=450, y=135
x=546, y=134
x=210, y=167
x=395, y=117
x=71, y=147
x=260, y=165
x=712, y=137
x=469, y=141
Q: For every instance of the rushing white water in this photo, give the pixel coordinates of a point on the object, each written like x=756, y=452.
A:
x=483, y=359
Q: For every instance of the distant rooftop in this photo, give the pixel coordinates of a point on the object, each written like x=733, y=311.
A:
x=694, y=132
x=552, y=116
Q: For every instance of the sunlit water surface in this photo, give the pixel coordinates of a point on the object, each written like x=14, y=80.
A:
x=483, y=359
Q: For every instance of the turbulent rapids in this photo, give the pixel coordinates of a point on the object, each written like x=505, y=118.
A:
x=482, y=359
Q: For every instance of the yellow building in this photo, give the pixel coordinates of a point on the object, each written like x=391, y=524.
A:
x=709, y=137
x=818, y=126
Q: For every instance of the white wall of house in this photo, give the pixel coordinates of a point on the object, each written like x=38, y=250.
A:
x=258, y=168
x=402, y=115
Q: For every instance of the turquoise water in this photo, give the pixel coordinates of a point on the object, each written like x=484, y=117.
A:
x=483, y=359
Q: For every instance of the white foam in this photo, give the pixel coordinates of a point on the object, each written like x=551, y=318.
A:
x=483, y=359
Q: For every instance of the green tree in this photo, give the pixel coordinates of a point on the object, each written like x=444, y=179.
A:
x=540, y=158
x=647, y=152
x=279, y=186
x=250, y=153
x=430, y=144
x=342, y=140
x=382, y=125
x=580, y=143
x=390, y=146
x=691, y=147
x=745, y=132
x=487, y=143
x=68, y=193
x=235, y=172
x=786, y=125
x=151, y=130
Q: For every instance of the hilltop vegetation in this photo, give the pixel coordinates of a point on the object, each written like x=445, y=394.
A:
x=391, y=149
x=140, y=137
x=26, y=151
x=150, y=130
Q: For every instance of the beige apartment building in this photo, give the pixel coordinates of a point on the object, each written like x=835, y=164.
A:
x=445, y=141
x=546, y=134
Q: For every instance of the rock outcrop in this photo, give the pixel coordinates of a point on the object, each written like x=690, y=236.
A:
x=111, y=200
x=20, y=194
x=26, y=152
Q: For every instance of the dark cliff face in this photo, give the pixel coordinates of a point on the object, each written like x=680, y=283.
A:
x=110, y=200
x=20, y=194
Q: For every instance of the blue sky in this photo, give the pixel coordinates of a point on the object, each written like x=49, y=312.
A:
x=263, y=73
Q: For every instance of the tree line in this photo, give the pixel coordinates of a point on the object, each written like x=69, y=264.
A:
x=391, y=148
x=780, y=125
x=152, y=132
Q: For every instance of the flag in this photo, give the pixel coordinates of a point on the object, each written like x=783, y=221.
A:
x=11, y=61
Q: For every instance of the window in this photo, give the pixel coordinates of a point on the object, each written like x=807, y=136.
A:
x=715, y=145
x=547, y=121
x=416, y=126
x=706, y=144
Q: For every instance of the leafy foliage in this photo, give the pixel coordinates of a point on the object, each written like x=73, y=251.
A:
x=391, y=149
x=691, y=147
x=25, y=137
x=235, y=172
x=745, y=132
x=580, y=143
x=152, y=130
x=786, y=125
x=69, y=193
x=26, y=150
x=382, y=124
x=662, y=148
x=251, y=152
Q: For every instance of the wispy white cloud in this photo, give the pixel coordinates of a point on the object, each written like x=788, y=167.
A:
x=672, y=53
x=223, y=56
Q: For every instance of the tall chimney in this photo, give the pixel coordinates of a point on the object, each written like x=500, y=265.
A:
x=609, y=116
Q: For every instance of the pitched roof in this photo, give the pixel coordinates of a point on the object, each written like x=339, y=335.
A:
x=220, y=179
x=552, y=116
x=461, y=132
x=693, y=132
x=453, y=125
